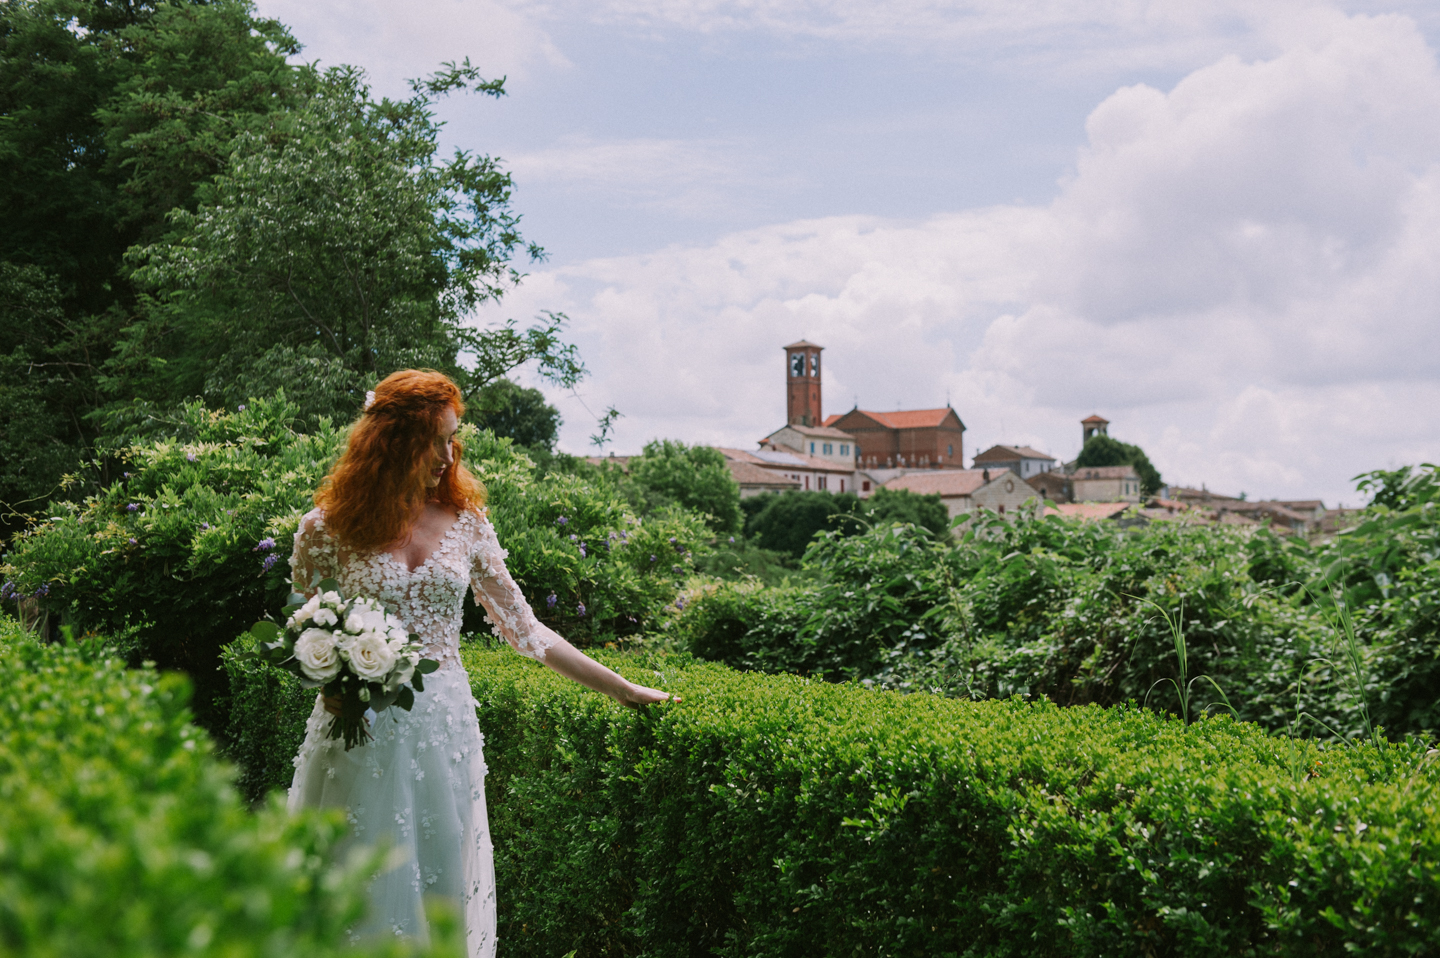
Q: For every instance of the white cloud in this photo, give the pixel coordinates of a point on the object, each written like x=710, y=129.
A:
x=396, y=42
x=1240, y=275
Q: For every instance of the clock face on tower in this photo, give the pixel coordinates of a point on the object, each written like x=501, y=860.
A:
x=797, y=364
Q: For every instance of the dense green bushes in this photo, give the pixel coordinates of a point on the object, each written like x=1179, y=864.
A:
x=774, y=815
x=1068, y=610
x=787, y=522
x=121, y=836
x=777, y=815
x=192, y=545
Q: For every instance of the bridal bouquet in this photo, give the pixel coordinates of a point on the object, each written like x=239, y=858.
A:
x=352, y=649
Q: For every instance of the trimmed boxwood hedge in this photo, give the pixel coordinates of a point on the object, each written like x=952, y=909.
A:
x=121, y=835
x=775, y=815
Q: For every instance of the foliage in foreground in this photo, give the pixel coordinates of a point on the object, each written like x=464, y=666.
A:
x=1075, y=611
x=120, y=834
x=777, y=815
x=774, y=815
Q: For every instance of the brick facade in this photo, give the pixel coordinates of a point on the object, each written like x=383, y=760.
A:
x=916, y=438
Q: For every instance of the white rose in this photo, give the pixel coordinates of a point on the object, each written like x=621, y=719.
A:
x=374, y=620
x=332, y=598
x=355, y=623
x=306, y=611
x=315, y=651
x=399, y=635
x=326, y=617
x=393, y=622
x=370, y=656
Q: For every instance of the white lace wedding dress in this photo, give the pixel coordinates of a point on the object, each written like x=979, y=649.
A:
x=421, y=782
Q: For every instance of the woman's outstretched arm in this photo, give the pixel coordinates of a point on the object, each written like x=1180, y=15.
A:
x=575, y=665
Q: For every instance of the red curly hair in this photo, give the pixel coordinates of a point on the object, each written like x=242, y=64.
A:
x=378, y=487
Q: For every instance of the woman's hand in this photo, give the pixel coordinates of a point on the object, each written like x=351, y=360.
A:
x=634, y=696
x=333, y=706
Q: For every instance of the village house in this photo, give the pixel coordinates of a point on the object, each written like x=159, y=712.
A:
x=965, y=490
x=1022, y=460
x=1105, y=484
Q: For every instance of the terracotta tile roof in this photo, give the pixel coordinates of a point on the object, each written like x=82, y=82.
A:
x=803, y=344
x=1095, y=419
x=749, y=474
x=1087, y=510
x=909, y=418
x=786, y=459
x=830, y=419
x=1011, y=453
x=949, y=483
x=817, y=431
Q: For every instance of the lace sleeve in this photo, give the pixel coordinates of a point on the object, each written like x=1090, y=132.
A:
x=314, y=552
x=505, y=606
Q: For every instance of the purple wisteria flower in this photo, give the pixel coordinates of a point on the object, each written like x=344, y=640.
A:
x=680, y=603
x=190, y=457
x=7, y=591
x=582, y=550
x=652, y=558
x=732, y=540
x=205, y=525
x=241, y=407
x=132, y=507
x=574, y=537
x=562, y=521
x=269, y=562
x=550, y=600
x=43, y=590
x=581, y=609
x=264, y=545
x=132, y=540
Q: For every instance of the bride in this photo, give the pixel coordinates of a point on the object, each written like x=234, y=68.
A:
x=400, y=519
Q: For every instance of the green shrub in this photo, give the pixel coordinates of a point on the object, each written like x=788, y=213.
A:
x=1063, y=609
x=788, y=521
x=696, y=477
x=120, y=834
x=774, y=815
x=889, y=506
x=192, y=545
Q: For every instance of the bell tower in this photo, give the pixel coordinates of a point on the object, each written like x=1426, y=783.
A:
x=802, y=384
x=1094, y=426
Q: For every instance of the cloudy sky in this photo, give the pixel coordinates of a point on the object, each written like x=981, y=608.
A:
x=1216, y=223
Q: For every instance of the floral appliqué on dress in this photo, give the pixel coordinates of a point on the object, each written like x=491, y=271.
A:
x=425, y=766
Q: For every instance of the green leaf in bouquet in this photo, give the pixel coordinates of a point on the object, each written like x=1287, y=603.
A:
x=426, y=666
x=417, y=682
x=296, y=598
x=406, y=698
x=265, y=631
x=328, y=585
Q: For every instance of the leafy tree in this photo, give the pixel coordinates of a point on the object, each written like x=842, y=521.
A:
x=338, y=237
x=788, y=521
x=891, y=506
x=518, y=413
x=1101, y=450
x=110, y=115
x=696, y=477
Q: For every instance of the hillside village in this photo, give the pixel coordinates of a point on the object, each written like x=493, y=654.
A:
x=923, y=451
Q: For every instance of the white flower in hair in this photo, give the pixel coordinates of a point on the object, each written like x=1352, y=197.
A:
x=369, y=400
